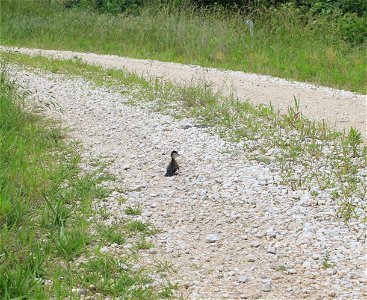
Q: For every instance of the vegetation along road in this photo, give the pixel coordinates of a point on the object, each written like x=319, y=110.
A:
x=340, y=109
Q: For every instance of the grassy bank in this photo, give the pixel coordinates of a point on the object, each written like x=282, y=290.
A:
x=50, y=235
x=307, y=154
x=286, y=43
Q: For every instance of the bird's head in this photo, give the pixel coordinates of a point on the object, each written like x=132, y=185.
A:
x=174, y=154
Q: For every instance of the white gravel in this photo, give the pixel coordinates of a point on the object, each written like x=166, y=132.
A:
x=228, y=235
x=340, y=109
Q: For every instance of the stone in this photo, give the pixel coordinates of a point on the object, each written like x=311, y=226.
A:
x=243, y=279
x=138, y=188
x=266, y=285
x=331, y=294
x=212, y=238
x=123, y=266
x=251, y=258
x=307, y=265
x=255, y=244
x=271, y=233
x=332, y=271
x=353, y=275
x=271, y=250
x=104, y=249
x=79, y=291
x=315, y=257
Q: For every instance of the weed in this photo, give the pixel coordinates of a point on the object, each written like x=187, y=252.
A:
x=57, y=213
x=326, y=264
x=136, y=226
x=163, y=266
x=346, y=211
x=354, y=140
x=335, y=195
x=143, y=244
x=133, y=211
x=167, y=292
x=281, y=268
x=112, y=234
x=70, y=243
x=109, y=278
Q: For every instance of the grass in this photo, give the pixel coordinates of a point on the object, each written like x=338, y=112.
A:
x=133, y=211
x=286, y=42
x=136, y=226
x=48, y=246
x=326, y=264
x=112, y=234
x=306, y=153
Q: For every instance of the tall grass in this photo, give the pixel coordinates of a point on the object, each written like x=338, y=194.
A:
x=285, y=42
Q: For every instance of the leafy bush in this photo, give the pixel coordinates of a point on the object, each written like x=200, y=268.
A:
x=107, y=6
x=348, y=17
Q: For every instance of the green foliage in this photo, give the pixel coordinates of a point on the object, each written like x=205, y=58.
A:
x=35, y=221
x=136, y=226
x=326, y=264
x=354, y=140
x=111, y=234
x=286, y=42
x=358, y=7
x=349, y=17
x=133, y=211
x=106, y=6
x=114, y=277
x=70, y=243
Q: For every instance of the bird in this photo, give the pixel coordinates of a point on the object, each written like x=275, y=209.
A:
x=173, y=166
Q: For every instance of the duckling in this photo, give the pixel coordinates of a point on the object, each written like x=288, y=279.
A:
x=173, y=165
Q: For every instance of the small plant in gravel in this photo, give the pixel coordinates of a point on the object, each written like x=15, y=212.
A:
x=281, y=268
x=143, y=244
x=121, y=200
x=133, y=211
x=112, y=234
x=326, y=264
x=346, y=211
x=163, y=266
x=354, y=140
x=115, y=277
x=137, y=226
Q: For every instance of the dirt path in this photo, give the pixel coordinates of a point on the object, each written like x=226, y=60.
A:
x=229, y=227
x=340, y=109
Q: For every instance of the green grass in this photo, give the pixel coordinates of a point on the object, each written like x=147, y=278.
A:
x=136, y=226
x=113, y=234
x=286, y=43
x=48, y=248
x=133, y=211
x=326, y=264
x=300, y=149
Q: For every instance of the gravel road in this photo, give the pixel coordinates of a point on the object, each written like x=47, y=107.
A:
x=340, y=109
x=231, y=230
